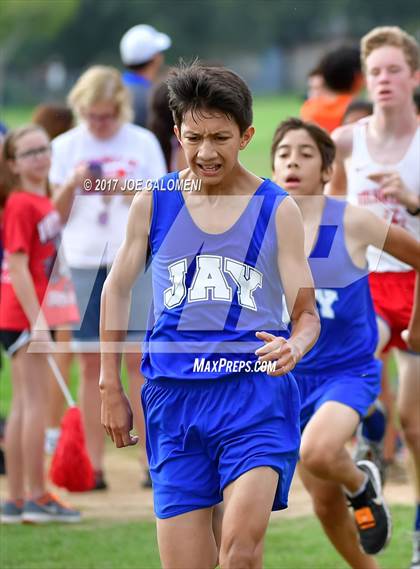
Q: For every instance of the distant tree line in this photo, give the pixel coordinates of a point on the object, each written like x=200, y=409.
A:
x=80, y=32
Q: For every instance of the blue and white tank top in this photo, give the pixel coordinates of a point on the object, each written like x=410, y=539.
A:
x=211, y=292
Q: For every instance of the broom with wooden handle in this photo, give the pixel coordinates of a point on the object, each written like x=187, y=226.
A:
x=70, y=466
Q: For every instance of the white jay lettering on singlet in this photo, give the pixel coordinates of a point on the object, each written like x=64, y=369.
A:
x=209, y=277
x=210, y=283
x=175, y=294
x=247, y=278
x=325, y=298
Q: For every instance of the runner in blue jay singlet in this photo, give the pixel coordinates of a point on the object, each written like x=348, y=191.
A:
x=339, y=378
x=344, y=353
x=221, y=424
x=211, y=293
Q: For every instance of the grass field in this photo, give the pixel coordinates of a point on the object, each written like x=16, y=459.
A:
x=295, y=544
x=96, y=544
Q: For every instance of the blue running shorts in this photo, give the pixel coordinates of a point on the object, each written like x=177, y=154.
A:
x=357, y=388
x=202, y=435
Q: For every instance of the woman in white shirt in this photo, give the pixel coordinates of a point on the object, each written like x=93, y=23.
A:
x=91, y=164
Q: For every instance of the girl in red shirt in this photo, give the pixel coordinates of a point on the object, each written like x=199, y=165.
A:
x=30, y=229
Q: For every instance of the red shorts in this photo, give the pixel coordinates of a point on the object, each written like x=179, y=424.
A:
x=393, y=295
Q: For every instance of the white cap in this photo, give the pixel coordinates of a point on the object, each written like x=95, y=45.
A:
x=142, y=43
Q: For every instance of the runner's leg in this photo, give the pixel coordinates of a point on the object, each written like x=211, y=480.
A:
x=187, y=541
x=247, y=502
x=330, y=507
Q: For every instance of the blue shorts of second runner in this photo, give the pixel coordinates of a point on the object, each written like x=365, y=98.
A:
x=357, y=388
x=201, y=435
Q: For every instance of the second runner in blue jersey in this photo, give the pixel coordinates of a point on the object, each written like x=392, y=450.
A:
x=339, y=378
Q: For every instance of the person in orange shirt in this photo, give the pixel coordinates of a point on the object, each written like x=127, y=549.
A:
x=341, y=70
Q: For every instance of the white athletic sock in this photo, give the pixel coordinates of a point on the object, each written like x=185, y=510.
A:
x=361, y=489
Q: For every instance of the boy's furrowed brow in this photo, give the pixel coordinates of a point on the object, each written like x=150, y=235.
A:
x=189, y=131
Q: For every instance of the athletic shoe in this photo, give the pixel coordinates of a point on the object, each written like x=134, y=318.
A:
x=147, y=481
x=100, y=482
x=371, y=515
x=48, y=508
x=415, y=561
x=371, y=450
x=11, y=512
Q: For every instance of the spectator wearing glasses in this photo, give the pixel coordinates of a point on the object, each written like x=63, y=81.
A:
x=31, y=228
x=89, y=165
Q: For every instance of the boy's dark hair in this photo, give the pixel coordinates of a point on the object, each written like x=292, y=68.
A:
x=340, y=68
x=199, y=87
x=358, y=105
x=416, y=98
x=160, y=120
x=320, y=136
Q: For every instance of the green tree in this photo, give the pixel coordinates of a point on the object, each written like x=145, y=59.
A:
x=44, y=18
x=22, y=18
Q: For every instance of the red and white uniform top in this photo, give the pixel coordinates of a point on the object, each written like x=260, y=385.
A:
x=364, y=192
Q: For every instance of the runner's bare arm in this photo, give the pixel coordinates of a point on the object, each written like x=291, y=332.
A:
x=372, y=230
x=116, y=413
x=299, y=291
x=116, y=294
x=63, y=195
x=343, y=138
x=392, y=186
x=367, y=229
x=296, y=277
x=400, y=244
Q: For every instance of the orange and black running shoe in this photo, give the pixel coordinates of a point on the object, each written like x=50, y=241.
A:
x=371, y=514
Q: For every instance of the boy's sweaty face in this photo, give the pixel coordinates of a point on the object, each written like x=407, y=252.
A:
x=298, y=164
x=390, y=81
x=211, y=141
